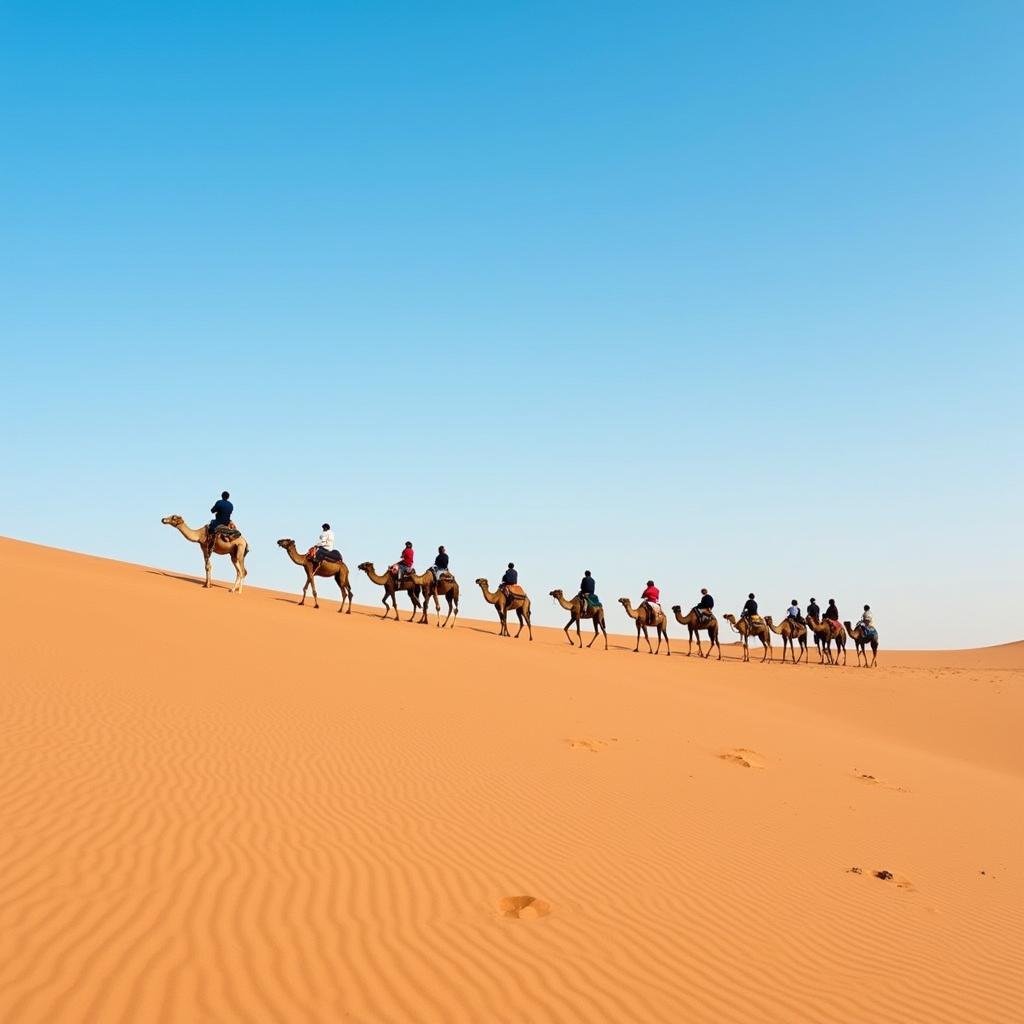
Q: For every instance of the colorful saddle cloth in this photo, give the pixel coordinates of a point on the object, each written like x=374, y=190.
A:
x=226, y=533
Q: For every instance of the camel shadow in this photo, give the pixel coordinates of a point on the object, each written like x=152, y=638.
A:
x=183, y=579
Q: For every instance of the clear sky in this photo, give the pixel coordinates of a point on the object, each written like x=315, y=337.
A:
x=722, y=294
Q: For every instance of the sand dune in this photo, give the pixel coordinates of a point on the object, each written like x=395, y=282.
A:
x=227, y=808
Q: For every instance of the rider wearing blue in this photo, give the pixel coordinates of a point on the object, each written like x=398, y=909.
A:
x=222, y=511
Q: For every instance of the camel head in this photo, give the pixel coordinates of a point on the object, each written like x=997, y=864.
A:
x=172, y=520
x=286, y=543
x=624, y=601
x=730, y=618
x=677, y=609
x=483, y=583
x=366, y=567
x=556, y=594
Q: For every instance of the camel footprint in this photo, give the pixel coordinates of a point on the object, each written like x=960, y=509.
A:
x=523, y=908
x=593, y=746
x=743, y=757
x=874, y=780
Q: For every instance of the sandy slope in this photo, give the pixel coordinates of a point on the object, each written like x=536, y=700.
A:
x=218, y=808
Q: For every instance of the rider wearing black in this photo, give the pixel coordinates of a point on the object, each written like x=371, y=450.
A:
x=813, y=611
x=750, y=608
x=441, y=560
x=222, y=511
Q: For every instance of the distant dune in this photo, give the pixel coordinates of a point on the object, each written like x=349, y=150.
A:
x=221, y=807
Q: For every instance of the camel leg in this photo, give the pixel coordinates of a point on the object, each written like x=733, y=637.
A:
x=605, y=632
x=206, y=560
x=579, y=639
x=596, y=629
x=312, y=583
x=700, y=649
x=237, y=585
x=636, y=650
x=767, y=650
x=717, y=644
x=565, y=630
x=650, y=650
x=668, y=646
x=529, y=627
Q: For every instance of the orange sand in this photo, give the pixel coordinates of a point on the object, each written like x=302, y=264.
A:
x=226, y=808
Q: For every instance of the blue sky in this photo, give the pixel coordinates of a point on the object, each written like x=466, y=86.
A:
x=725, y=295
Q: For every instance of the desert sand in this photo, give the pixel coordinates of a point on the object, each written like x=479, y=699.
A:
x=220, y=807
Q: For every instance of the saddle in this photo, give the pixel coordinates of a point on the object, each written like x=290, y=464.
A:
x=513, y=590
x=756, y=622
x=327, y=556
x=226, y=533
x=593, y=601
x=445, y=577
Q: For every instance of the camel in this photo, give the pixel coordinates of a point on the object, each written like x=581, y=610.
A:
x=861, y=642
x=578, y=608
x=237, y=548
x=327, y=568
x=792, y=633
x=518, y=603
x=391, y=587
x=433, y=586
x=746, y=630
x=646, y=616
x=826, y=633
x=695, y=625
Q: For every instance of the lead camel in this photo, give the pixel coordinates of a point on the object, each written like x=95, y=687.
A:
x=237, y=548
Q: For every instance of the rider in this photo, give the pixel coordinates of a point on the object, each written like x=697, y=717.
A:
x=813, y=611
x=510, y=579
x=440, y=562
x=406, y=560
x=794, y=612
x=750, y=608
x=221, y=511
x=867, y=620
x=651, y=596
x=587, y=590
x=324, y=543
x=704, y=605
x=832, y=615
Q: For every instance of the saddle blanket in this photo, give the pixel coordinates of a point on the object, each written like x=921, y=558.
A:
x=226, y=533
x=325, y=556
x=593, y=600
x=514, y=590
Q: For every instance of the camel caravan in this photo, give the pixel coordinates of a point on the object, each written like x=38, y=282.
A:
x=322, y=560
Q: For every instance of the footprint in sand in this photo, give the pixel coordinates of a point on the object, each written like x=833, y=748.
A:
x=873, y=780
x=593, y=746
x=743, y=757
x=523, y=908
x=884, y=875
